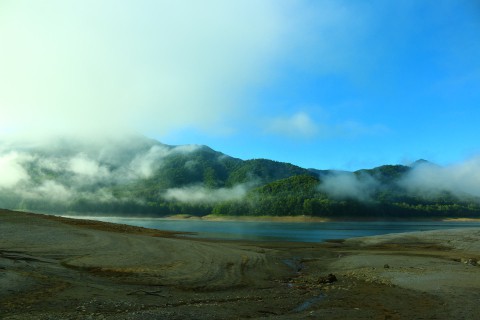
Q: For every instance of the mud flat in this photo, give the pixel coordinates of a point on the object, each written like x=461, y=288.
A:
x=57, y=268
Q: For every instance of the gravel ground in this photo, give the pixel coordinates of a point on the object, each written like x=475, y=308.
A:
x=56, y=268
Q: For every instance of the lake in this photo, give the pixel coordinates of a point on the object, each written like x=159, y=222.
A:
x=286, y=231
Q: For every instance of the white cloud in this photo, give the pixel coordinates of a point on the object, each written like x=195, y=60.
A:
x=52, y=164
x=11, y=170
x=151, y=65
x=200, y=194
x=301, y=125
x=81, y=165
x=155, y=66
x=460, y=179
x=52, y=190
x=348, y=185
x=187, y=148
x=145, y=164
x=298, y=125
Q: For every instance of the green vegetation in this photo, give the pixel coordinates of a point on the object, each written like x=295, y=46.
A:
x=299, y=195
x=148, y=178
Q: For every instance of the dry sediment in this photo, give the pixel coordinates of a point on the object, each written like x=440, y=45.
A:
x=53, y=268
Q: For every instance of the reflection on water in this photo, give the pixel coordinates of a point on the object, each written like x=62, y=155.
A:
x=285, y=231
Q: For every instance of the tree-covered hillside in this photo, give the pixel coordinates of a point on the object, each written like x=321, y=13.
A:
x=140, y=176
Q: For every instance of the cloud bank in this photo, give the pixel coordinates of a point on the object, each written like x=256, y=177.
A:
x=302, y=126
x=200, y=194
x=423, y=179
x=429, y=180
x=347, y=185
x=151, y=65
x=158, y=66
x=11, y=169
x=59, y=173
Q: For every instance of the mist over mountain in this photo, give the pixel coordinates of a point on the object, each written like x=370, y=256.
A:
x=134, y=175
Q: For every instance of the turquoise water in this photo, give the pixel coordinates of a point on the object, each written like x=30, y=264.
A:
x=285, y=231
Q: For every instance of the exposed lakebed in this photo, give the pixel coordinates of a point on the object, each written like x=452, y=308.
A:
x=63, y=268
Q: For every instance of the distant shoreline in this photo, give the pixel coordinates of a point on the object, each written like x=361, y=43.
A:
x=461, y=219
x=250, y=218
x=286, y=219
x=307, y=219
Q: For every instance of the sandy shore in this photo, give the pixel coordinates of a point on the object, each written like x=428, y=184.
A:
x=212, y=217
x=57, y=268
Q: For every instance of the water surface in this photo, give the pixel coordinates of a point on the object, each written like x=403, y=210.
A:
x=286, y=231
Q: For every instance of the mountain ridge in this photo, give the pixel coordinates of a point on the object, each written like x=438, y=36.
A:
x=138, y=175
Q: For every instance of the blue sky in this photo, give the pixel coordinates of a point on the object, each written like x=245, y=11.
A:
x=323, y=84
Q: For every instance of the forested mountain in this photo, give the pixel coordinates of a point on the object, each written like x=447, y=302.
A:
x=139, y=176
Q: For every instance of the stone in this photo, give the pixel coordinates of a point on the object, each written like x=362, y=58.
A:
x=470, y=261
x=330, y=278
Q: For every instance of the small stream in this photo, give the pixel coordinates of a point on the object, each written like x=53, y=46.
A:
x=308, y=303
x=296, y=265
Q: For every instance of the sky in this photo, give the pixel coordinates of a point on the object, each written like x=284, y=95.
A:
x=320, y=84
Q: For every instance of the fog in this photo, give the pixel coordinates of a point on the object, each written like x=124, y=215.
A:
x=156, y=66
x=61, y=172
x=201, y=194
x=429, y=180
x=347, y=185
x=11, y=169
x=423, y=179
x=64, y=171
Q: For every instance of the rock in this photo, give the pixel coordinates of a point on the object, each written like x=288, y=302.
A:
x=328, y=279
x=470, y=261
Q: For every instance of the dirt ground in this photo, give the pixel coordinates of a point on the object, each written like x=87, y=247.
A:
x=57, y=268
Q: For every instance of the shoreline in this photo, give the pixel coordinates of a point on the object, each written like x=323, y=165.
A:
x=280, y=219
x=461, y=219
x=250, y=218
